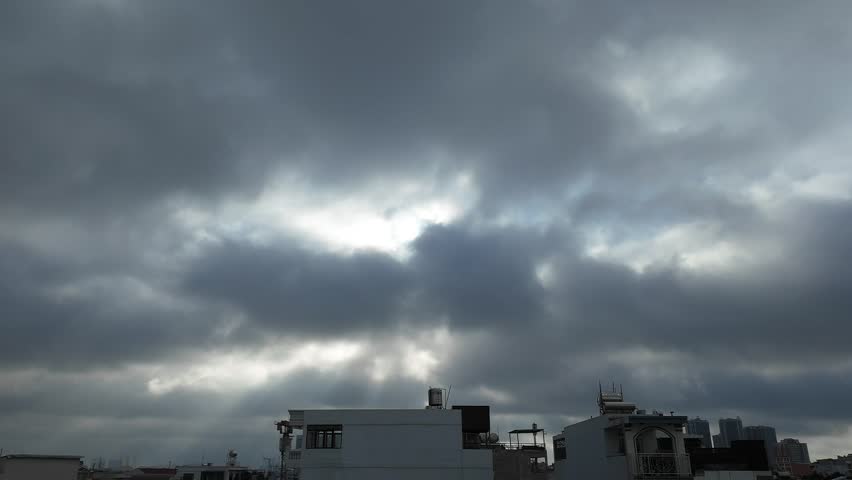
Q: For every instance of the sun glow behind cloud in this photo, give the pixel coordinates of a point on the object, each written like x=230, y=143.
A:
x=692, y=245
x=380, y=218
x=232, y=372
x=413, y=356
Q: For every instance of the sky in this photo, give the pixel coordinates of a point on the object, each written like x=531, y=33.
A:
x=212, y=212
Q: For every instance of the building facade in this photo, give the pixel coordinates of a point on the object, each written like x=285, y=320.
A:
x=793, y=451
x=842, y=465
x=717, y=441
x=699, y=426
x=621, y=444
x=744, y=459
x=730, y=429
x=384, y=445
x=767, y=436
x=206, y=472
x=39, y=467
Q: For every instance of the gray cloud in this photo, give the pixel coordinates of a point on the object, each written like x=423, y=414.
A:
x=294, y=289
x=594, y=135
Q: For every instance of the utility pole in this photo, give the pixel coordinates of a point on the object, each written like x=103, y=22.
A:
x=285, y=430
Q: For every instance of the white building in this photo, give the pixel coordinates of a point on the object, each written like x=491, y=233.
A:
x=214, y=472
x=384, y=445
x=39, y=467
x=842, y=465
x=622, y=445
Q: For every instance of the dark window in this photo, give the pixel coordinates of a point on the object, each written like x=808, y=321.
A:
x=559, y=451
x=188, y=476
x=324, y=436
x=665, y=445
x=212, y=475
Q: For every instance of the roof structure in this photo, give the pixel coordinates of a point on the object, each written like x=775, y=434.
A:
x=21, y=456
x=527, y=430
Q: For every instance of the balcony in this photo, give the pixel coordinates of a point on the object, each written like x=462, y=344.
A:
x=661, y=465
x=294, y=455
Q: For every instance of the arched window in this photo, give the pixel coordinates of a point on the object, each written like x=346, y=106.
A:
x=654, y=440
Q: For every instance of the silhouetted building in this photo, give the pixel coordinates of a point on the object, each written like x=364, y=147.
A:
x=699, y=426
x=767, y=436
x=37, y=467
x=793, y=450
x=842, y=465
x=523, y=458
x=717, y=441
x=692, y=442
x=155, y=473
x=742, y=456
x=730, y=429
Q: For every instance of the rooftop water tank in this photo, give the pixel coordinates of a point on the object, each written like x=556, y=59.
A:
x=436, y=398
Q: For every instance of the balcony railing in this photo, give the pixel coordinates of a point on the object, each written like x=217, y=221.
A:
x=294, y=455
x=662, y=465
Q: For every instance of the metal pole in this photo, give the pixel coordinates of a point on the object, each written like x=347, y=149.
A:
x=285, y=430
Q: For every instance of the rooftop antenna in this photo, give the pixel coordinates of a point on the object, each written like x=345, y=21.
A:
x=285, y=429
x=447, y=401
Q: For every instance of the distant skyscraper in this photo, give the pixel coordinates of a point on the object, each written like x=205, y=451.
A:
x=717, y=441
x=793, y=450
x=767, y=435
x=699, y=426
x=730, y=429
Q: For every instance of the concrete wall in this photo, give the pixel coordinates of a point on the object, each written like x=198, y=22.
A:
x=586, y=457
x=515, y=465
x=734, y=475
x=38, y=469
x=394, y=444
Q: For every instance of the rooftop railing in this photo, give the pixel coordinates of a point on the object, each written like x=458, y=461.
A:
x=661, y=465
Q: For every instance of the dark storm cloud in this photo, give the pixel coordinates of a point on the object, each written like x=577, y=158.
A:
x=467, y=278
x=479, y=278
x=152, y=107
x=65, y=316
x=163, y=100
x=486, y=278
x=292, y=289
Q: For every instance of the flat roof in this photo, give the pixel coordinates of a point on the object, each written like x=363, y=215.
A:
x=42, y=457
x=298, y=418
x=668, y=418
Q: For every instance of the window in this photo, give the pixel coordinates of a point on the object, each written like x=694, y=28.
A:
x=324, y=436
x=212, y=475
x=559, y=451
x=188, y=476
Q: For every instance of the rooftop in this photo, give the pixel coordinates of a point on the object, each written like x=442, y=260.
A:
x=527, y=430
x=21, y=456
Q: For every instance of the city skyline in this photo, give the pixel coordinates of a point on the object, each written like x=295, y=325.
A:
x=212, y=212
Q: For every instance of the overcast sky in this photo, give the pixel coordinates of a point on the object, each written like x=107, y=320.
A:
x=212, y=212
